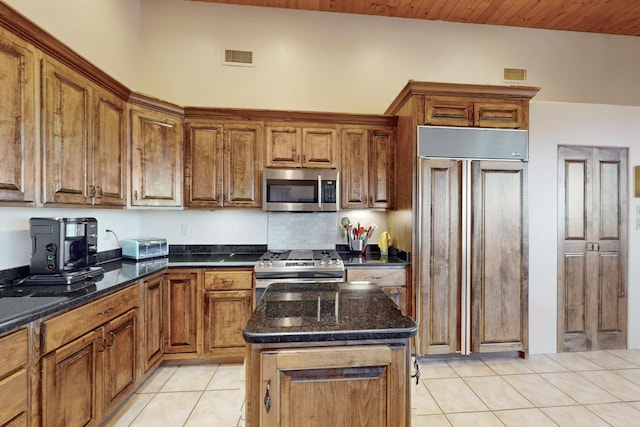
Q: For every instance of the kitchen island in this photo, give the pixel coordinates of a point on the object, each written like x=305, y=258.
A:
x=328, y=354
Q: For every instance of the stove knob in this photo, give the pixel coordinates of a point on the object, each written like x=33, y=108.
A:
x=337, y=261
x=261, y=263
x=330, y=261
x=269, y=263
x=321, y=262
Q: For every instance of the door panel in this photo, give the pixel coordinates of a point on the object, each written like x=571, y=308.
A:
x=592, y=248
x=440, y=277
x=242, y=165
x=499, y=281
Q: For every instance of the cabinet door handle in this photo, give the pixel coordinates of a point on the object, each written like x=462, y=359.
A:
x=103, y=345
x=417, y=374
x=135, y=195
x=99, y=191
x=267, y=397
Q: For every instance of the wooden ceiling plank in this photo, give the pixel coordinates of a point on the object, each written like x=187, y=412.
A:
x=432, y=9
x=413, y=9
x=407, y=8
x=599, y=16
x=512, y=12
x=603, y=19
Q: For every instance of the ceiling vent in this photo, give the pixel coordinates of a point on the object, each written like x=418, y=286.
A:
x=240, y=58
x=514, y=74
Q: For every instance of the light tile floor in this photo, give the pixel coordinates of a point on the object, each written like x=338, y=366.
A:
x=599, y=388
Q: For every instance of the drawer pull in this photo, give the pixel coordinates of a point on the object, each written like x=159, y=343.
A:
x=107, y=311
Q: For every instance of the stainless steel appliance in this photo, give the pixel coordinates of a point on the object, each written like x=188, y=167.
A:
x=63, y=250
x=301, y=190
x=144, y=248
x=299, y=266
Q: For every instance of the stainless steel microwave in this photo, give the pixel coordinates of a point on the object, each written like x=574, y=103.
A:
x=301, y=190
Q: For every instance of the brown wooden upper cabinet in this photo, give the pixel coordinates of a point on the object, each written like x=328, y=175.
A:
x=223, y=162
x=83, y=140
x=452, y=111
x=17, y=119
x=307, y=146
x=156, y=154
x=367, y=169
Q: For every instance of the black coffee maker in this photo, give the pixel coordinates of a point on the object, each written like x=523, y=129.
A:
x=62, y=245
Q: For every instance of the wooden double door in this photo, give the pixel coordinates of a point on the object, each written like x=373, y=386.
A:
x=473, y=272
x=592, y=248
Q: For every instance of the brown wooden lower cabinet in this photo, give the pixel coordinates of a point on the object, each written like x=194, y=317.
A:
x=179, y=293
x=14, y=381
x=228, y=304
x=152, y=322
x=71, y=378
x=90, y=361
x=120, y=363
x=343, y=385
x=83, y=380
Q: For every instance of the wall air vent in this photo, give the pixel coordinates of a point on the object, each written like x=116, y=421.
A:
x=239, y=58
x=514, y=74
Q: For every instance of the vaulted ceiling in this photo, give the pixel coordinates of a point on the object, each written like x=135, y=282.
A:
x=621, y=17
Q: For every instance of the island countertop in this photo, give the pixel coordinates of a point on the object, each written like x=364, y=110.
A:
x=295, y=312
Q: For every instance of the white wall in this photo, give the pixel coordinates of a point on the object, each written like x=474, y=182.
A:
x=355, y=63
x=15, y=249
x=105, y=32
x=338, y=62
x=554, y=124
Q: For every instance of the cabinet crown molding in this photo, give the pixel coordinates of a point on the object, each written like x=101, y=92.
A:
x=412, y=88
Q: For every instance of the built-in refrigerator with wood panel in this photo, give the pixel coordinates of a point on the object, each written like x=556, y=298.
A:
x=472, y=240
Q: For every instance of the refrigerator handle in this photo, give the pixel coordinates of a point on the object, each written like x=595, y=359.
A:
x=465, y=296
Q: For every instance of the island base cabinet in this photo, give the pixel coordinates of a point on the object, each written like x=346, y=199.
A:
x=346, y=385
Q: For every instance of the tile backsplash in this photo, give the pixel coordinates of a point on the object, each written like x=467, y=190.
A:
x=297, y=230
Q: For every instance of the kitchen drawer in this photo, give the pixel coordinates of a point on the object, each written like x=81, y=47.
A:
x=70, y=325
x=379, y=276
x=14, y=391
x=13, y=352
x=228, y=280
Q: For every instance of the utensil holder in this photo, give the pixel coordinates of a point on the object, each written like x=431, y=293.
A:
x=357, y=246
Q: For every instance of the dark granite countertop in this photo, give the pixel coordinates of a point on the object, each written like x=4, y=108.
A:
x=21, y=304
x=372, y=257
x=214, y=259
x=293, y=312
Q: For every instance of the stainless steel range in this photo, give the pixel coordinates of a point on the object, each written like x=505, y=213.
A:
x=298, y=265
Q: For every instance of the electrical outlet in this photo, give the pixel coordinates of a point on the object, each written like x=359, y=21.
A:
x=184, y=230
